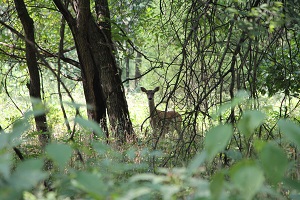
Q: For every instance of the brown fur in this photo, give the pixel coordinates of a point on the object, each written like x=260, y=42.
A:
x=162, y=121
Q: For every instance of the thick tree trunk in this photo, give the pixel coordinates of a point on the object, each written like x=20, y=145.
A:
x=111, y=79
x=137, y=75
x=102, y=82
x=96, y=106
x=127, y=70
x=31, y=59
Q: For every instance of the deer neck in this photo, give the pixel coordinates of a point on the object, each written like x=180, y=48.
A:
x=152, y=108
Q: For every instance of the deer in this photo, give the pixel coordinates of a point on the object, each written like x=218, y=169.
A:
x=163, y=121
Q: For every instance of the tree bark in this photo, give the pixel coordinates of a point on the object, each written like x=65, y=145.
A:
x=101, y=80
x=138, y=63
x=127, y=69
x=31, y=59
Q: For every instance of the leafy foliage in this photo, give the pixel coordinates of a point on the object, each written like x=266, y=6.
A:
x=217, y=139
x=274, y=162
x=116, y=175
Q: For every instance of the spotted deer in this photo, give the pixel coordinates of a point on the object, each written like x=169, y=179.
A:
x=162, y=122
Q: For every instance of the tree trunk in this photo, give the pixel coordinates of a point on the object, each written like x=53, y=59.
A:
x=102, y=83
x=31, y=59
x=138, y=63
x=127, y=68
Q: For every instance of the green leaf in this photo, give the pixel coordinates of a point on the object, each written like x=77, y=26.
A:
x=27, y=174
x=87, y=124
x=131, y=153
x=22, y=67
x=239, y=98
x=290, y=130
x=19, y=127
x=274, y=162
x=217, y=185
x=155, y=179
x=169, y=191
x=294, y=184
x=5, y=164
x=38, y=108
x=234, y=154
x=232, y=10
x=59, y=153
x=91, y=184
x=217, y=139
x=247, y=179
x=222, y=109
x=197, y=161
x=4, y=140
x=135, y=193
x=258, y=144
x=272, y=26
x=250, y=121
x=100, y=147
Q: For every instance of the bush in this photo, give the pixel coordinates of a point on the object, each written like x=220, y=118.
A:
x=128, y=174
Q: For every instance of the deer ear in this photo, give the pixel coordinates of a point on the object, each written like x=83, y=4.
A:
x=143, y=89
x=156, y=89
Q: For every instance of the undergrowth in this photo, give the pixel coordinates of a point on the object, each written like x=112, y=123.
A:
x=215, y=168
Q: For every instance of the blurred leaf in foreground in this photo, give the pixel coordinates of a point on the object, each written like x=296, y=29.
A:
x=217, y=139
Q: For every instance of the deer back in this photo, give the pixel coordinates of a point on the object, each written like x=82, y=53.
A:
x=166, y=121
